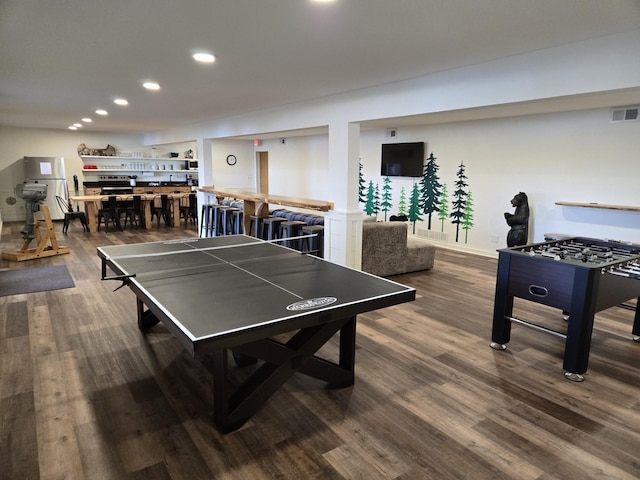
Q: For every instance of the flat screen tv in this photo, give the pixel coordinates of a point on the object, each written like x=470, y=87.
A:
x=402, y=159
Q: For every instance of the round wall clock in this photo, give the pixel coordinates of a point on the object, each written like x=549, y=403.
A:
x=231, y=160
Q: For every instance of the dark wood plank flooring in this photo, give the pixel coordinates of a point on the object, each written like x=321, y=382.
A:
x=85, y=395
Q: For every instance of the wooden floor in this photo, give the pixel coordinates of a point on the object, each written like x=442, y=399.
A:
x=85, y=395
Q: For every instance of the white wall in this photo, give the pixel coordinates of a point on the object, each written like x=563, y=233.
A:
x=17, y=143
x=573, y=156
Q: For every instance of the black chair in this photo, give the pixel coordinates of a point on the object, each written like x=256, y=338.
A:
x=134, y=212
x=189, y=209
x=109, y=211
x=162, y=210
x=69, y=214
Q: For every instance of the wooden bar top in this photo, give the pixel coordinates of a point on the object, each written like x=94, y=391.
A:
x=599, y=205
x=256, y=197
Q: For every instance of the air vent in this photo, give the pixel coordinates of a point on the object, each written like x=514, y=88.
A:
x=391, y=133
x=432, y=235
x=625, y=114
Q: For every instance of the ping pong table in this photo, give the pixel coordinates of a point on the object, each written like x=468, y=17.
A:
x=236, y=293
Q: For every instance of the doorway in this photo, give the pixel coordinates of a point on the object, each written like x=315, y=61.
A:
x=263, y=172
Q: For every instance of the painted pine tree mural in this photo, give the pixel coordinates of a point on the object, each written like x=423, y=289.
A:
x=467, y=218
x=430, y=189
x=402, y=203
x=369, y=207
x=459, y=199
x=385, y=205
x=362, y=185
x=443, y=207
x=414, y=206
x=376, y=200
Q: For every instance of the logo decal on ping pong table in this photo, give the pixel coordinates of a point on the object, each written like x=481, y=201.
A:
x=312, y=303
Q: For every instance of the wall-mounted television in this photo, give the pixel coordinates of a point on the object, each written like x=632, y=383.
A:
x=402, y=159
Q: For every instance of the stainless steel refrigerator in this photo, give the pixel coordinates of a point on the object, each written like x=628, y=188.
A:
x=50, y=171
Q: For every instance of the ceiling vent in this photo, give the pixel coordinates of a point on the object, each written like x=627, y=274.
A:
x=625, y=114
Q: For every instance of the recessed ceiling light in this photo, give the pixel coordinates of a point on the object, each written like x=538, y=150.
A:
x=102, y=112
x=77, y=125
x=121, y=101
x=71, y=127
x=204, y=57
x=87, y=120
x=151, y=86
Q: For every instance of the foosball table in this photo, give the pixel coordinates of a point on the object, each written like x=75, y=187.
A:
x=580, y=276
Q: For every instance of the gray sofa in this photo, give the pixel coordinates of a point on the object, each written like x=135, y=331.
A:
x=387, y=250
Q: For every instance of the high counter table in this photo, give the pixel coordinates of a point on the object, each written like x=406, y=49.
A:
x=256, y=203
x=91, y=202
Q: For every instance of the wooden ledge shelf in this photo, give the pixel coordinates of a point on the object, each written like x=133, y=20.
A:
x=600, y=205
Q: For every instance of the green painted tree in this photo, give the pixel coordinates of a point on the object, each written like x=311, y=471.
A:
x=430, y=189
x=386, y=204
x=467, y=218
x=459, y=199
x=362, y=185
x=376, y=201
x=414, y=206
x=402, y=203
x=443, y=208
x=369, y=207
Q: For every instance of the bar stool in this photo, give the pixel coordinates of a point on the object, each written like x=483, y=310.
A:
x=237, y=221
x=206, y=219
x=216, y=225
x=226, y=221
x=272, y=227
x=315, y=244
x=291, y=229
x=255, y=226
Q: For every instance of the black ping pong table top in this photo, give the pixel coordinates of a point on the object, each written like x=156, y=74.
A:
x=215, y=288
x=237, y=292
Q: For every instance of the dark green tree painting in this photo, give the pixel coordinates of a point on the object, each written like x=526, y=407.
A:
x=376, y=200
x=414, y=206
x=467, y=217
x=362, y=185
x=385, y=205
x=370, y=205
x=459, y=203
x=430, y=189
x=402, y=203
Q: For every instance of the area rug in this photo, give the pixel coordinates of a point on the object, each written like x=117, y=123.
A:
x=35, y=279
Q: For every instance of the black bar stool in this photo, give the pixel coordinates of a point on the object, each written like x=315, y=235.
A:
x=271, y=227
x=291, y=229
x=315, y=244
x=226, y=220
x=255, y=226
x=206, y=219
x=237, y=218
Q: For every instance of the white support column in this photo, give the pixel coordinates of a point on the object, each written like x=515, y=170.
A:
x=343, y=225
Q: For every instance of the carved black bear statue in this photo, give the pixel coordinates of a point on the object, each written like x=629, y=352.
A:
x=518, y=221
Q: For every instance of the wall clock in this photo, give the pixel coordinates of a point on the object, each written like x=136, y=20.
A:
x=231, y=160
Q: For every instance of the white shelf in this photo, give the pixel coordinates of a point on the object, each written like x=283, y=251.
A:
x=86, y=158
x=142, y=170
x=111, y=164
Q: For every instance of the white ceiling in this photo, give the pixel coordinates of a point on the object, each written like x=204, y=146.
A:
x=60, y=60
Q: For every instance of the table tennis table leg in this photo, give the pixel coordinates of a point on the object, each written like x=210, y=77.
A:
x=233, y=407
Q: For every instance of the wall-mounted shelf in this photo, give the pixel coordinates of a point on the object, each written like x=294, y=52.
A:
x=135, y=165
x=600, y=205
